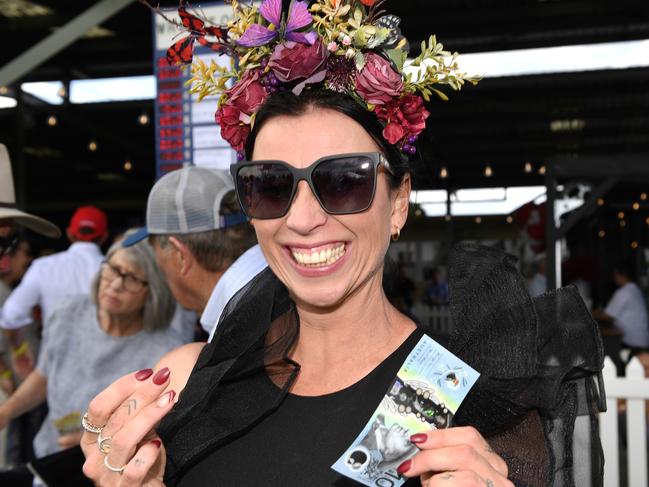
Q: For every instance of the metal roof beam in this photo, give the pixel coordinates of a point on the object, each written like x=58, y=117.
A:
x=59, y=40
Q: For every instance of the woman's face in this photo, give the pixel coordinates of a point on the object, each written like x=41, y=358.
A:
x=353, y=246
x=115, y=296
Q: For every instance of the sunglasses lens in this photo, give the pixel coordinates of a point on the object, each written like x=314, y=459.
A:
x=264, y=190
x=345, y=185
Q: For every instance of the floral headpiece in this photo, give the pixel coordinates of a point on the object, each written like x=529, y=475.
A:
x=347, y=46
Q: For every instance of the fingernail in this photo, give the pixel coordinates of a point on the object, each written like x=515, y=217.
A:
x=157, y=443
x=143, y=374
x=166, y=398
x=161, y=376
x=418, y=438
x=404, y=467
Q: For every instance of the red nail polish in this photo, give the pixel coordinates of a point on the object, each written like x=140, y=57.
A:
x=157, y=443
x=404, y=467
x=161, y=376
x=418, y=438
x=143, y=374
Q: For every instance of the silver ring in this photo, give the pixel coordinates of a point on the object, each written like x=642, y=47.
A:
x=104, y=444
x=111, y=468
x=90, y=427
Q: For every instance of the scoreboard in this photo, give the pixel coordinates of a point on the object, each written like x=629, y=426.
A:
x=186, y=132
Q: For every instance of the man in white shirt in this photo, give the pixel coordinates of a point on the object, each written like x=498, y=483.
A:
x=203, y=243
x=51, y=278
x=627, y=310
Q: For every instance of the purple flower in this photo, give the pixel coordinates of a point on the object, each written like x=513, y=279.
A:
x=271, y=10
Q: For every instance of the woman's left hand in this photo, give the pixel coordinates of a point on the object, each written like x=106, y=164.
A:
x=455, y=456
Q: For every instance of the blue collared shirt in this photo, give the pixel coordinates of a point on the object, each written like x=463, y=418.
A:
x=242, y=270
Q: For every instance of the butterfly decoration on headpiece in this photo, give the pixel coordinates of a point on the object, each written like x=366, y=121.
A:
x=182, y=51
x=347, y=46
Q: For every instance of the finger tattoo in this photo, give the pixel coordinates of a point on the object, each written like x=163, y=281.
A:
x=490, y=483
x=130, y=405
x=139, y=461
x=447, y=476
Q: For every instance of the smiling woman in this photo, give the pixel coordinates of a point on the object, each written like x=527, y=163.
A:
x=306, y=351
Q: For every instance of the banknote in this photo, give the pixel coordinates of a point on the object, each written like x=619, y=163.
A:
x=427, y=391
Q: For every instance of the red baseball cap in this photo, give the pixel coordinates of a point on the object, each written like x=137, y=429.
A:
x=88, y=223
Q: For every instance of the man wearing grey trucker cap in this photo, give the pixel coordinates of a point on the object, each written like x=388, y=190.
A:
x=202, y=241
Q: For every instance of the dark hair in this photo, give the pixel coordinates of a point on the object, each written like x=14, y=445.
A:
x=286, y=103
x=625, y=268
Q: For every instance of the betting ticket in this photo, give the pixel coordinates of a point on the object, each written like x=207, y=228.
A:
x=428, y=390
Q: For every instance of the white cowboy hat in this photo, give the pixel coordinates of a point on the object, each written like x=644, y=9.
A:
x=8, y=202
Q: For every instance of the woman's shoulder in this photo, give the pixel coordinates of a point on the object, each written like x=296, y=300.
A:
x=181, y=361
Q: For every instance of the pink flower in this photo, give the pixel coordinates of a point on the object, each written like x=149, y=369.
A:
x=291, y=61
x=332, y=46
x=248, y=94
x=403, y=118
x=378, y=83
x=232, y=128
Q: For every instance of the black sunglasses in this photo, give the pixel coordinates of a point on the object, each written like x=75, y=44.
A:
x=8, y=244
x=342, y=184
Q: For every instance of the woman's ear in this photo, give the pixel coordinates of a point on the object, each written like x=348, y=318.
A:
x=401, y=202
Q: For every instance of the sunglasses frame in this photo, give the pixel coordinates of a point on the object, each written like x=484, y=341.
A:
x=305, y=174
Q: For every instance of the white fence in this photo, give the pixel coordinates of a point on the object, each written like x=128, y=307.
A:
x=634, y=388
x=436, y=318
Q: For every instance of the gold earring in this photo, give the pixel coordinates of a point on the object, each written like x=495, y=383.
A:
x=396, y=235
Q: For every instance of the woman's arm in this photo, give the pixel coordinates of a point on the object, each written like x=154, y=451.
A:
x=29, y=394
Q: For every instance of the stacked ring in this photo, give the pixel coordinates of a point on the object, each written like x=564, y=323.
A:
x=104, y=444
x=111, y=468
x=90, y=427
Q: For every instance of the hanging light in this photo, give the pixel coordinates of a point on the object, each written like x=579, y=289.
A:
x=528, y=167
x=620, y=215
x=635, y=206
x=634, y=245
x=643, y=196
x=62, y=92
x=443, y=173
x=417, y=212
x=478, y=220
x=143, y=119
x=92, y=146
x=601, y=234
x=600, y=201
x=509, y=219
x=4, y=90
x=622, y=224
x=52, y=121
x=488, y=172
x=542, y=170
x=128, y=165
x=447, y=217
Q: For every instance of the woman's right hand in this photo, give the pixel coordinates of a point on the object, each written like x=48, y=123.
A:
x=129, y=408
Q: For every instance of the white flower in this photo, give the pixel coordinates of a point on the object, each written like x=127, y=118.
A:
x=350, y=53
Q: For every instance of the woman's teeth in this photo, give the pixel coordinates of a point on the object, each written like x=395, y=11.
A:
x=318, y=259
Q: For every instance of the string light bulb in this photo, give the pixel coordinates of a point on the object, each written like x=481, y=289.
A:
x=128, y=165
x=488, y=172
x=542, y=170
x=417, y=212
x=478, y=220
x=52, y=121
x=600, y=201
x=622, y=224
x=143, y=119
x=447, y=218
x=620, y=215
x=634, y=245
x=443, y=173
x=643, y=196
x=62, y=92
x=635, y=206
x=601, y=234
x=528, y=167
x=509, y=219
x=4, y=90
x=92, y=146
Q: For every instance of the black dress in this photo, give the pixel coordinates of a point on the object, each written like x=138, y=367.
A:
x=540, y=362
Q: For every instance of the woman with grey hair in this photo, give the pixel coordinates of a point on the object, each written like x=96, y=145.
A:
x=122, y=326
